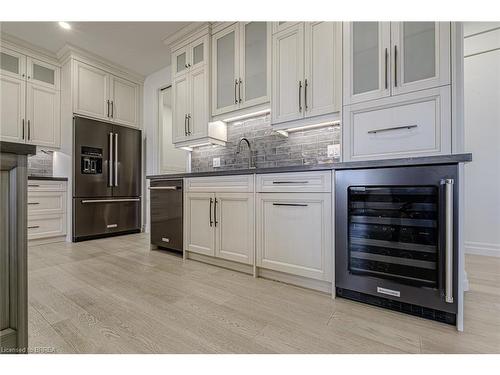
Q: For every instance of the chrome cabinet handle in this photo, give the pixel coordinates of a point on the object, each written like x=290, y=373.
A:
x=239, y=89
x=290, y=182
x=112, y=109
x=107, y=108
x=300, y=96
x=33, y=185
x=290, y=204
x=32, y=203
x=185, y=125
x=305, y=93
x=395, y=66
x=235, y=91
x=386, y=60
x=215, y=212
x=33, y=226
x=393, y=128
x=23, y=128
x=189, y=123
x=110, y=169
x=116, y=160
x=110, y=200
x=210, y=212
x=29, y=130
x=448, y=184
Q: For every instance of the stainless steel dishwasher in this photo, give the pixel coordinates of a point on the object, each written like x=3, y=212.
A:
x=166, y=213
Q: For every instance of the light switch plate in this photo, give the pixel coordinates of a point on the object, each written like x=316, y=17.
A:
x=333, y=151
x=216, y=162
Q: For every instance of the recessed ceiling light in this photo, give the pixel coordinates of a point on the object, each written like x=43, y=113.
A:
x=64, y=25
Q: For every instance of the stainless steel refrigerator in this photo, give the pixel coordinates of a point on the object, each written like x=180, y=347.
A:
x=106, y=179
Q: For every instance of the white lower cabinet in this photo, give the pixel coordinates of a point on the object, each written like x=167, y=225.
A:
x=47, y=214
x=220, y=225
x=199, y=223
x=294, y=233
x=234, y=215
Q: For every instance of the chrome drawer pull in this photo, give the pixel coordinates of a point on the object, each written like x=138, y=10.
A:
x=163, y=188
x=111, y=200
x=33, y=185
x=33, y=203
x=290, y=204
x=290, y=182
x=389, y=129
x=33, y=226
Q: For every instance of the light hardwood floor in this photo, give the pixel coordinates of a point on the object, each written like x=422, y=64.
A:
x=116, y=296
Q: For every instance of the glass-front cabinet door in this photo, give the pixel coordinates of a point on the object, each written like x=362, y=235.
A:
x=12, y=63
x=253, y=80
x=42, y=73
x=180, y=61
x=420, y=55
x=366, y=57
x=225, y=70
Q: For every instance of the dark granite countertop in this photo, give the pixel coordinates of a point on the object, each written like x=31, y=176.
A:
x=402, y=162
x=47, y=178
x=17, y=148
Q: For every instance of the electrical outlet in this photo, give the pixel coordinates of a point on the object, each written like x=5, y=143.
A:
x=333, y=151
x=216, y=162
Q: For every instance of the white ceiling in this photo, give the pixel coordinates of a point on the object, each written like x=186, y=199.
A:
x=137, y=46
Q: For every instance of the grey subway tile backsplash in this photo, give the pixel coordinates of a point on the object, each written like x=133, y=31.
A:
x=40, y=164
x=270, y=149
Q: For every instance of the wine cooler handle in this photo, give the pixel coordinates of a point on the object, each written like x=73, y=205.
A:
x=448, y=186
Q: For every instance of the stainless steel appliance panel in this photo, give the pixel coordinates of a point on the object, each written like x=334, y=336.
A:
x=96, y=135
x=95, y=217
x=166, y=214
x=127, y=162
x=378, y=239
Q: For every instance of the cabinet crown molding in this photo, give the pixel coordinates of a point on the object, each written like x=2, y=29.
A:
x=70, y=51
x=184, y=35
x=11, y=42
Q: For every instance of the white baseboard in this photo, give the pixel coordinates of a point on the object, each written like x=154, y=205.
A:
x=482, y=248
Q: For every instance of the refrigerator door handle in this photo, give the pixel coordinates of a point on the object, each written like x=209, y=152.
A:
x=116, y=160
x=110, y=162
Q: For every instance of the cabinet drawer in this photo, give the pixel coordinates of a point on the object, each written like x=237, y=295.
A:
x=46, y=185
x=294, y=234
x=47, y=202
x=310, y=182
x=416, y=124
x=44, y=226
x=228, y=184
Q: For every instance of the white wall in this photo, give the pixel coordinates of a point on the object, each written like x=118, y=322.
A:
x=482, y=138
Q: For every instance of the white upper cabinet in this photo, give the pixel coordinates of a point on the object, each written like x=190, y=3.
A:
x=198, y=118
x=240, y=66
x=91, y=92
x=420, y=55
x=383, y=59
x=43, y=107
x=287, y=74
x=124, y=101
x=12, y=113
x=306, y=71
x=225, y=70
x=322, y=89
x=30, y=100
x=105, y=96
x=367, y=71
x=180, y=108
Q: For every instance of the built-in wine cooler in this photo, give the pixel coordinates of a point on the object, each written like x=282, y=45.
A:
x=395, y=238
